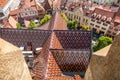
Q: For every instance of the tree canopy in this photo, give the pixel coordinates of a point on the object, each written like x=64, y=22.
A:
x=64, y=16
x=85, y=27
x=18, y=26
x=72, y=25
x=102, y=42
x=32, y=25
x=45, y=19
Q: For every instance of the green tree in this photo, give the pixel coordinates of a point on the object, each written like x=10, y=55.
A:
x=64, y=16
x=45, y=19
x=72, y=25
x=18, y=26
x=32, y=25
x=102, y=42
x=85, y=27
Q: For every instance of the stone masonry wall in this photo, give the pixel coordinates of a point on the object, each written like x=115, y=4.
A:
x=12, y=63
x=105, y=67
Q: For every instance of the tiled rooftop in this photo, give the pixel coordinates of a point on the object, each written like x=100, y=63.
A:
x=104, y=12
x=55, y=23
x=53, y=60
x=3, y=3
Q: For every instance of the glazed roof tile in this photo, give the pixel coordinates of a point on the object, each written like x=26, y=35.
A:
x=62, y=50
x=3, y=3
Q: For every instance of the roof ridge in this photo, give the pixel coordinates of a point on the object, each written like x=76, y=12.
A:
x=55, y=43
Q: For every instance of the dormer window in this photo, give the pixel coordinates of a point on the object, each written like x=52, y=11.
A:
x=93, y=15
x=98, y=16
x=109, y=20
x=103, y=18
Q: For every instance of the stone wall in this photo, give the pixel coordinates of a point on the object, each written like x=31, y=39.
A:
x=105, y=65
x=12, y=63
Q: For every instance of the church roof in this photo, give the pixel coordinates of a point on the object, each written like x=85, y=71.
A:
x=62, y=50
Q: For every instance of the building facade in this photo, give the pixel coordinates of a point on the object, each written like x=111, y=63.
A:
x=103, y=19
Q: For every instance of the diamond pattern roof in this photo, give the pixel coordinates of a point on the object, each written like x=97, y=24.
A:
x=62, y=50
x=21, y=37
x=74, y=39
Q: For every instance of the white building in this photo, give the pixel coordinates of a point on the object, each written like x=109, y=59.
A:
x=107, y=1
x=5, y=7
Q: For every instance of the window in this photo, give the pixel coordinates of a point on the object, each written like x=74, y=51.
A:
x=105, y=24
x=1, y=14
x=91, y=24
x=103, y=28
x=93, y=20
x=116, y=29
x=83, y=20
x=86, y=21
x=98, y=22
x=97, y=26
x=110, y=27
x=79, y=18
x=109, y=31
x=114, y=33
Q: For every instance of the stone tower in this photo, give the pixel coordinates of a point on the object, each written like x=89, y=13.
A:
x=12, y=63
x=105, y=63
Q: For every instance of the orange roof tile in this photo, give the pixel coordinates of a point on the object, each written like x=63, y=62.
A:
x=55, y=23
x=15, y=12
x=55, y=43
x=52, y=66
x=26, y=23
x=59, y=22
x=104, y=12
x=3, y=3
x=12, y=22
x=57, y=3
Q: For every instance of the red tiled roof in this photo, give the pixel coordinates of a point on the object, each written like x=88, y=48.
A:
x=104, y=12
x=117, y=18
x=59, y=22
x=28, y=3
x=57, y=3
x=14, y=12
x=55, y=43
x=52, y=67
x=12, y=22
x=3, y=3
x=44, y=26
x=55, y=23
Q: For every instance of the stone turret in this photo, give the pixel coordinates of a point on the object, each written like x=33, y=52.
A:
x=12, y=63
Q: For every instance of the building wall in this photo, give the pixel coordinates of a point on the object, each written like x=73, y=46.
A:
x=100, y=26
x=75, y=15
